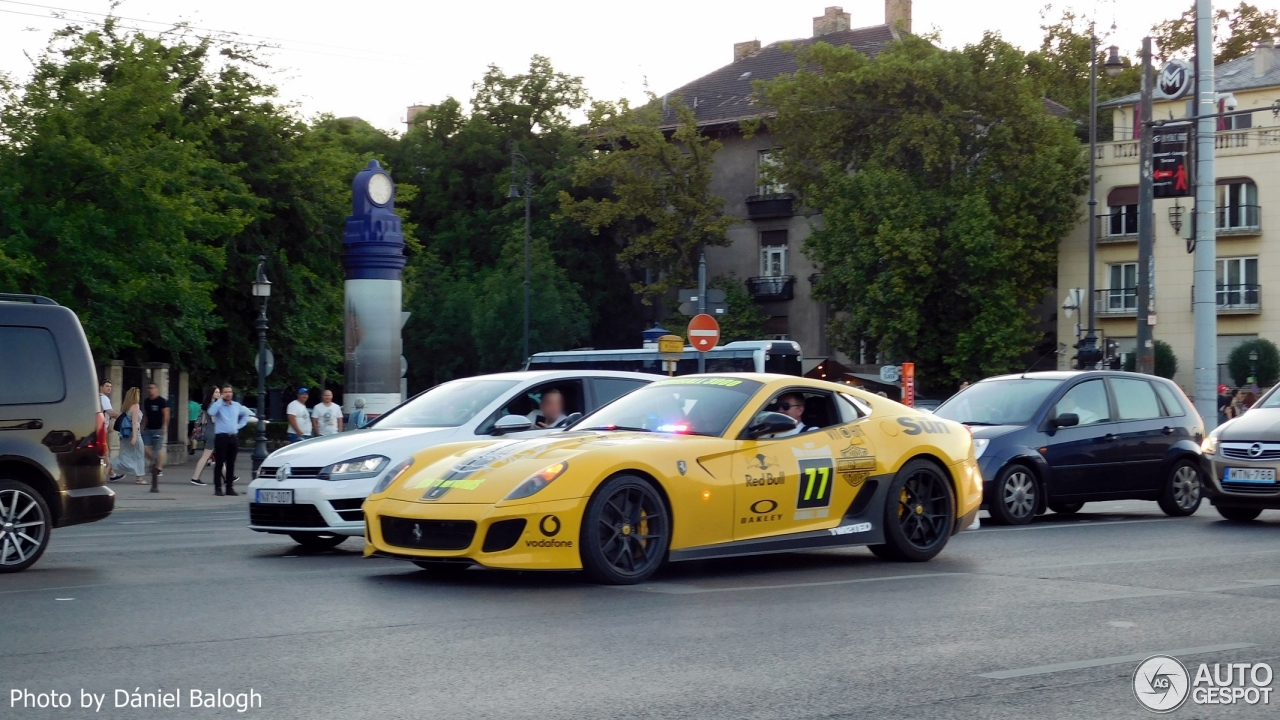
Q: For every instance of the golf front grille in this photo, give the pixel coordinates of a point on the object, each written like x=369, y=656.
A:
x=301, y=516
x=349, y=509
x=428, y=534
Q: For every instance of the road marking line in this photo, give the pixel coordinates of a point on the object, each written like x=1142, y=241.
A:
x=139, y=522
x=678, y=589
x=1102, y=662
x=1085, y=523
x=51, y=589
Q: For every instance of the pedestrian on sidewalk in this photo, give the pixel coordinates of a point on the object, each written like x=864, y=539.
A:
x=299, y=418
x=204, y=435
x=109, y=416
x=131, y=459
x=358, y=417
x=228, y=417
x=327, y=417
x=193, y=419
x=156, y=408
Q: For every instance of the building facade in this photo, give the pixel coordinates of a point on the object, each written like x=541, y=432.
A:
x=766, y=249
x=1247, y=152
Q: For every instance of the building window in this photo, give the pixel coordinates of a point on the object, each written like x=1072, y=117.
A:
x=766, y=180
x=773, y=253
x=1237, y=205
x=1238, y=283
x=1122, y=287
x=1122, y=220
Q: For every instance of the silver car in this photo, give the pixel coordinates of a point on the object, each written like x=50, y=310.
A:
x=1242, y=458
x=313, y=490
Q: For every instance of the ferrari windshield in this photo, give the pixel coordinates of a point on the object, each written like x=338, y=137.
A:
x=697, y=405
x=998, y=402
x=447, y=405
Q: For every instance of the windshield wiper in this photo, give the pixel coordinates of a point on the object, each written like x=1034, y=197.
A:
x=617, y=427
x=978, y=422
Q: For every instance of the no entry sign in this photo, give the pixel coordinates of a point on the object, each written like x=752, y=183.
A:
x=704, y=332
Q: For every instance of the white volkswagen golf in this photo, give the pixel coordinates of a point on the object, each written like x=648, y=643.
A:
x=312, y=490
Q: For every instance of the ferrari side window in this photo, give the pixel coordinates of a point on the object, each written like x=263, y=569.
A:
x=851, y=408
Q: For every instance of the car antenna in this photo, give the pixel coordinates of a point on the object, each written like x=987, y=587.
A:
x=1055, y=351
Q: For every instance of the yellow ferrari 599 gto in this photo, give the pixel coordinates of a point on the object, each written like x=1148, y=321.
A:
x=693, y=467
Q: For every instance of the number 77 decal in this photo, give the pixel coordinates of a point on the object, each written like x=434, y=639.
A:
x=815, y=483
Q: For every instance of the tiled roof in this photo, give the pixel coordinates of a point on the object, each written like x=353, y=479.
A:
x=1230, y=76
x=725, y=95
x=1055, y=109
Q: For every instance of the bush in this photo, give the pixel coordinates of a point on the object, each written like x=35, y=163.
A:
x=275, y=433
x=1239, y=366
x=1166, y=361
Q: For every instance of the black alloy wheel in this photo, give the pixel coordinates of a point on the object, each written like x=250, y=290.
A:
x=919, y=515
x=25, y=526
x=625, y=532
x=1017, y=496
x=318, y=541
x=1065, y=508
x=1181, y=496
x=1239, y=514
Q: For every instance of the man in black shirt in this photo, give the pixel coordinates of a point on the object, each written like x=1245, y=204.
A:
x=156, y=410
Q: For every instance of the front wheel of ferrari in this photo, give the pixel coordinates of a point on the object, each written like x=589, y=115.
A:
x=918, y=515
x=626, y=531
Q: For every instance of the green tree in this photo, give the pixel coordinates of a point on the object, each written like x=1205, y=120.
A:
x=1061, y=67
x=1268, y=365
x=1235, y=32
x=944, y=189
x=659, y=206
x=1166, y=362
x=744, y=319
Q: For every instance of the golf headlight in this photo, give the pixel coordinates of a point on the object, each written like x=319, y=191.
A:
x=980, y=446
x=392, y=475
x=1210, y=445
x=355, y=468
x=537, y=481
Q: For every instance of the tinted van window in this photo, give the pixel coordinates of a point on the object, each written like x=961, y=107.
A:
x=1088, y=401
x=32, y=367
x=1135, y=399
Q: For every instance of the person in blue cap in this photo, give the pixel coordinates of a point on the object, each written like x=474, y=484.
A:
x=299, y=418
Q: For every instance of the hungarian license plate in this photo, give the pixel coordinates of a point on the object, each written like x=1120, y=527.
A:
x=1251, y=475
x=275, y=497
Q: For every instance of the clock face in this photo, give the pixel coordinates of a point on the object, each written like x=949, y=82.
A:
x=380, y=189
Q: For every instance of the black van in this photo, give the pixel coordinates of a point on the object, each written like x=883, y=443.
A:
x=53, y=436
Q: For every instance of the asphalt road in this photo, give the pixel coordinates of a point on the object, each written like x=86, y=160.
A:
x=182, y=599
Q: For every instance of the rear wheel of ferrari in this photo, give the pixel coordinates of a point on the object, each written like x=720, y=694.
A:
x=626, y=531
x=919, y=514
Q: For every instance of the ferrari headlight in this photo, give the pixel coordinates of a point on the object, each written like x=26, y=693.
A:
x=392, y=475
x=355, y=468
x=1210, y=445
x=980, y=446
x=537, y=481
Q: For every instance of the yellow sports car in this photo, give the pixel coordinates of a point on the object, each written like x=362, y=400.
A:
x=693, y=467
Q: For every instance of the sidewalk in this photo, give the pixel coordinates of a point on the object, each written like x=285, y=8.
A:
x=177, y=492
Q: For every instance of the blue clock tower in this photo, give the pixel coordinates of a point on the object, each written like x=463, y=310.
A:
x=373, y=261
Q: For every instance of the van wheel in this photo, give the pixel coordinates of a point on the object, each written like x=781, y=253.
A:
x=318, y=541
x=1017, y=496
x=1181, y=494
x=25, y=526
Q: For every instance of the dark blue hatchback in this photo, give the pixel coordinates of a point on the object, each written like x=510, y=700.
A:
x=1056, y=440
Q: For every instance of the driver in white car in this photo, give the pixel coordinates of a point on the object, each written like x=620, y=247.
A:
x=550, y=412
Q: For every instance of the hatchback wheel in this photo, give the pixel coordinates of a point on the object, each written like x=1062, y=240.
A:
x=1181, y=494
x=25, y=525
x=318, y=541
x=1017, y=495
x=1065, y=508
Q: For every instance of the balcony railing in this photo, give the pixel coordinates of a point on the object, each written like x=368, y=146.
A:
x=760, y=207
x=1236, y=299
x=1118, y=301
x=775, y=287
x=1238, y=219
x=1118, y=227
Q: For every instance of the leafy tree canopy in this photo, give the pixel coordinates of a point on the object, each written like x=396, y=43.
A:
x=944, y=189
x=1268, y=364
x=1235, y=32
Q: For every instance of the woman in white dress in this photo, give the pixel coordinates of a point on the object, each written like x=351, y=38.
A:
x=131, y=458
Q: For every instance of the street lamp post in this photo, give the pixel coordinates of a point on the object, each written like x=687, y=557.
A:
x=516, y=160
x=261, y=289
